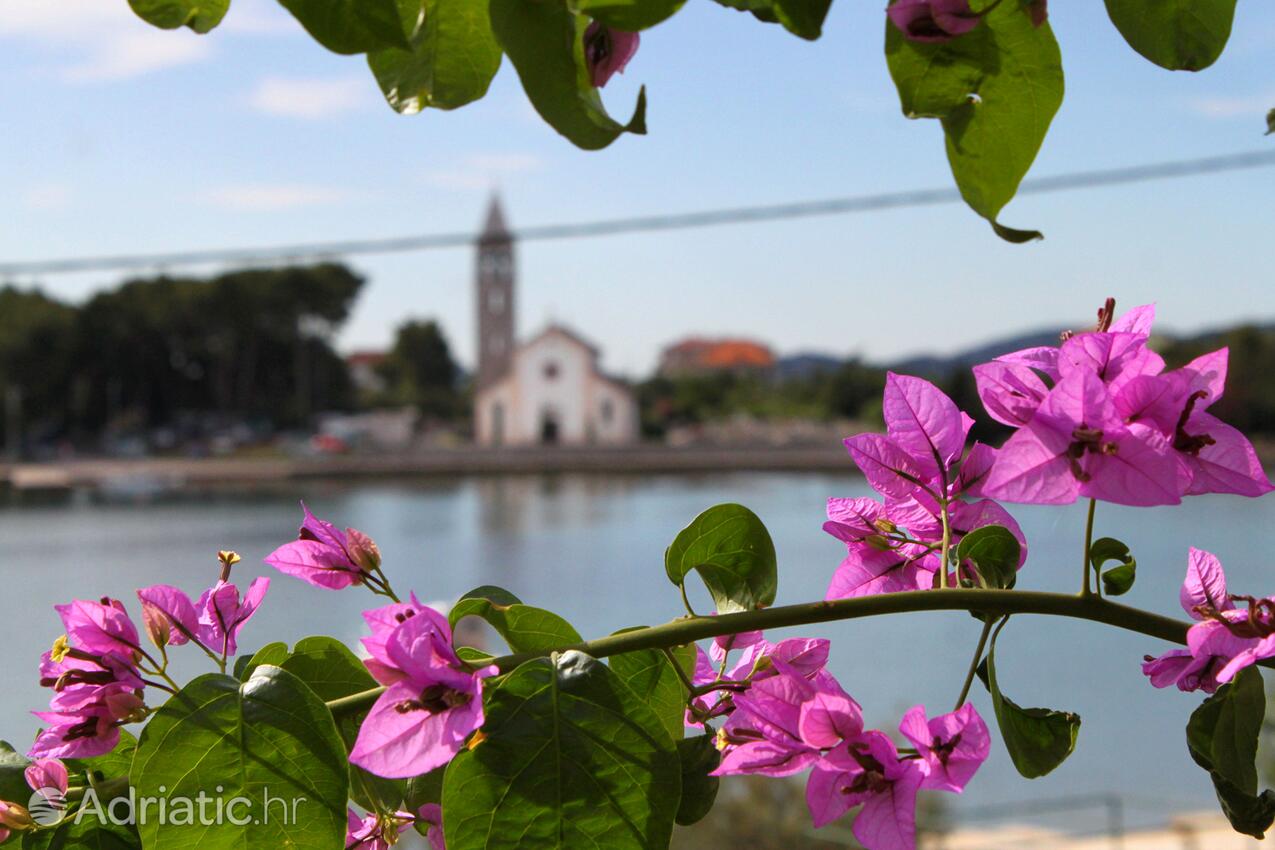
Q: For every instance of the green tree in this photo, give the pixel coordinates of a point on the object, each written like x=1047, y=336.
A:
x=420, y=370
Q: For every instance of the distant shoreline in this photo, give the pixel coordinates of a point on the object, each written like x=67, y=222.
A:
x=182, y=473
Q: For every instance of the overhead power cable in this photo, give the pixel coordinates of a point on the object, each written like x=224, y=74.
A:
x=637, y=224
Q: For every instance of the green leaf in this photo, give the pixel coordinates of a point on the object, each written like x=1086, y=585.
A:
x=568, y=760
x=332, y=671
x=199, y=15
x=1118, y=580
x=452, y=59
x=629, y=15
x=1270, y=122
x=1038, y=739
x=13, y=782
x=734, y=555
x=1223, y=732
x=524, y=628
x=699, y=790
x=1222, y=737
x=118, y=762
x=90, y=833
x=995, y=91
x=351, y=26
x=545, y=42
x=993, y=552
x=1181, y=35
x=651, y=677
x=427, y=788
x=271, y=734
x=271, y=653
x=800, y=17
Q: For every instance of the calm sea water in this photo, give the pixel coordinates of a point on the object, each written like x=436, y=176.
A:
x=591, y=548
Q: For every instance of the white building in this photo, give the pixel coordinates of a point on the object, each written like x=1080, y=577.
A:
x=548, y=390
x=555, y=393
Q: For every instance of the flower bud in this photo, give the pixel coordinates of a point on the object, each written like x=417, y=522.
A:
x=15, y=817
x=158, y=628
x=885, y=526
x=363, y=550
x=878, y=541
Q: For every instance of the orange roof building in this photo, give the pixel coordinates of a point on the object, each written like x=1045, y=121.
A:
x=701, y=356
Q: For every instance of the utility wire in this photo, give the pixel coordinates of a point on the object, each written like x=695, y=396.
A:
x=638, y=224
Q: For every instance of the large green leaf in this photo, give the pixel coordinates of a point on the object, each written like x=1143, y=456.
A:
x=87, y=833
x=699, y=790
x=568, y=759
x=332, y=671
x=995, y=90
x=524, y=627
x=13, y=782
x=654, y=681
x=993, y=552
x=800, y=17
x=351, y=26
x=452, y=59
x=1038, y=739
x=545, y=42
x=732, y=551
x=199, y=15
x=1181, y=35
x=629, y=15
x=118, y=762
x=1222, y=737
x=272, y=653
x=269, y=735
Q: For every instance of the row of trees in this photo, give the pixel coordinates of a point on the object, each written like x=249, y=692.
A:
x=853, y=389
x=248, y=349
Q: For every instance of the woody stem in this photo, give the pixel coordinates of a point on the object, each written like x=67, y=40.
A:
x=991, y=603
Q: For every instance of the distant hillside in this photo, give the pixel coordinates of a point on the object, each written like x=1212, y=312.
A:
x=936, y=366
x=806, y=365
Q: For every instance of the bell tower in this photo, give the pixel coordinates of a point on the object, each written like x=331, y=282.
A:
x=495, y=297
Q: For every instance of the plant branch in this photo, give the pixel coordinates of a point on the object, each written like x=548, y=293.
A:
x=978, y=656
x=1085, y=590
x=995, y=603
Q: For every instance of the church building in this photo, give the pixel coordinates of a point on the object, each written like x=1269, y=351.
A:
x=548, y=390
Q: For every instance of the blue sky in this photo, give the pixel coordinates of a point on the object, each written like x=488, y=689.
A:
x=120, y=138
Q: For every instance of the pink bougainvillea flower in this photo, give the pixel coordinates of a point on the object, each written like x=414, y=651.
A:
x=168, y=615
x=1116, y=357
x=325, y=556
x=99, y=627
x=892, y=547
x=73, y=667
x=925, y=423
x=608, y=51
x=383, y=621
x=1225, y=640
x=425, y=716
x=867, y=771
x=92, y=730
x=1075, y=445
x=867, y=570
x=953, y=746
x=432, y=814
x=1011, y=392
x=222, y=613
x=1220, y=459
x=763, y=735
x=932, y=20
x=48, y=775
x=806, y=657
x=377, y=832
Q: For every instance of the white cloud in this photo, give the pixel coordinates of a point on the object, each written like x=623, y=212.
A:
x=309, y=97
x=98, y=40
x=1232, y=106
x=47, y=196
x=263, y=197
x=484, y=170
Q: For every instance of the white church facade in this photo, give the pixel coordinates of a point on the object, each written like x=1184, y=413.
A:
x=549, y=390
